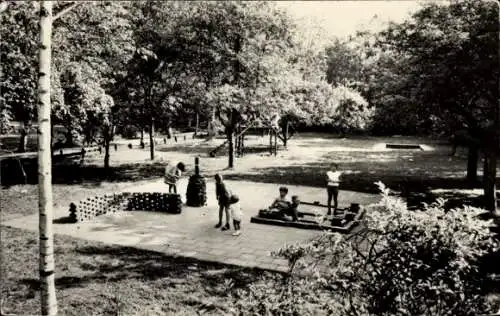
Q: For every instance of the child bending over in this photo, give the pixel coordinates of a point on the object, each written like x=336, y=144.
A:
x=172, y=175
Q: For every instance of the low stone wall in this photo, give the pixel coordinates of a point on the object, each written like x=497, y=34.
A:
x=89, y=208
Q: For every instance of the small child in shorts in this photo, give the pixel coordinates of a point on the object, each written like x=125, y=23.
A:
x=236, y=213
x=292, y=211
x=173, y=173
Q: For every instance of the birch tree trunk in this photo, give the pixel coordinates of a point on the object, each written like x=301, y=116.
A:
x=47, y=286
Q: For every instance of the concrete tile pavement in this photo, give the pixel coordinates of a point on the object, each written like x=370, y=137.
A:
x=192, y=233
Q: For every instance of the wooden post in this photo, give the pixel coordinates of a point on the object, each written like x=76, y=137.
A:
x=48, y=298
x=197, y=166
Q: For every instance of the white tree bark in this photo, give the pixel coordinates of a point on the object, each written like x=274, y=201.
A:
x=45, y=204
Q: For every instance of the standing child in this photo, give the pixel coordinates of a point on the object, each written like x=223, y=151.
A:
x=333, y=178
x=236, y=214
x=173, y=173
x=222, y=194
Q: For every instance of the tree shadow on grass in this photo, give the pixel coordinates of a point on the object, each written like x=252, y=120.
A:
x=416, y=188
x=194, y=149
x=204, y=149
x=101, y=264
x=87, y=174
x=63, y=220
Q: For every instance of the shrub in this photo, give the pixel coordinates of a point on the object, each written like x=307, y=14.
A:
x=401, y=263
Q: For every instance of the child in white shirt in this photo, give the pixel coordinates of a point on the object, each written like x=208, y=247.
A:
x=173, y=173
x=333, y=178
x=236, y=213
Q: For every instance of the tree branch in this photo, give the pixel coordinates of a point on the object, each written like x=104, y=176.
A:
x=65, y=10
x=3, y=6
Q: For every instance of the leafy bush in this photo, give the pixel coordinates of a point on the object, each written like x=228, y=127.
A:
x=401, y=262
x=353, y=113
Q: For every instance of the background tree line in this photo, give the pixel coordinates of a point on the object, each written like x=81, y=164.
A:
x=150, y=65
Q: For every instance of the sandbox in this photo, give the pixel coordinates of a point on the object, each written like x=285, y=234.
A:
x=404, y=146
x=311, y=217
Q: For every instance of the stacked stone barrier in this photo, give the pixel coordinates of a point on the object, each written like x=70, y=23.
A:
x=154, y=201
x=88, y=209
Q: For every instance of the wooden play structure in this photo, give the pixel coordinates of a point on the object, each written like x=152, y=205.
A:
x=272, y=129
x=239, y=141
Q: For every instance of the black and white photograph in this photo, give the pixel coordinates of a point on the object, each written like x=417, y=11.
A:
x=274, y=158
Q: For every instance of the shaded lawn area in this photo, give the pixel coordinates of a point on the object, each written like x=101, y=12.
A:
x=411, y=174
x=97, y=279
x=89, y=174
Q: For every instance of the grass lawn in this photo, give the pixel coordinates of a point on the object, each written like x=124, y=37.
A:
x=97, y=279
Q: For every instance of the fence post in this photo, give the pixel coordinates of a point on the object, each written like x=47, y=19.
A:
x=197, y=166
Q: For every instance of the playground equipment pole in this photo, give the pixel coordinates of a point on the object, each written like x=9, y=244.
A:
x=48, y=298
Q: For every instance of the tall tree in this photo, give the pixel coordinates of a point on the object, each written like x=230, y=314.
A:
x=47, y=265
x=18, y=47
x=78, y=33
x=236, y=44
x=453, y=70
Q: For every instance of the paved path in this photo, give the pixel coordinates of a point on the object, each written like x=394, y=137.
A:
x=192, y=233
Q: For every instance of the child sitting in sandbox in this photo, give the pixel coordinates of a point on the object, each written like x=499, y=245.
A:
x=291, y=212
x=282, y=202
x=282, y=207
